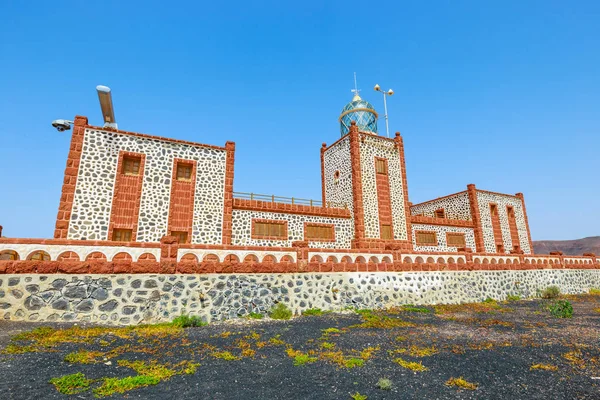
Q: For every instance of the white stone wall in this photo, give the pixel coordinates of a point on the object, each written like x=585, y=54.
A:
x=134, y=298
x=456, y=206
x=242, y=229
x=337, y=158
x=371, y=147
x=91, y=211
x=441, y=237
x=484, y=199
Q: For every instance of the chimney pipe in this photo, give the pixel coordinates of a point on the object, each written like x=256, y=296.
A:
x=108, y=113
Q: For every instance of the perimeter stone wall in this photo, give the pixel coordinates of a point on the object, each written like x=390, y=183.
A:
x=135, y=298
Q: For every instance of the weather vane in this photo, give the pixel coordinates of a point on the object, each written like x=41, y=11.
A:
x=355, y=90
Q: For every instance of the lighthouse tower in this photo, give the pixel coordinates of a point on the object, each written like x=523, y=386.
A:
x=367, y=173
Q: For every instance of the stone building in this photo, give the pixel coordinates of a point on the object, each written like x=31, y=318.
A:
x=130, y=187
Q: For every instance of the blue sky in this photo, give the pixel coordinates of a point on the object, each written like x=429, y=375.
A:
x=504, y=94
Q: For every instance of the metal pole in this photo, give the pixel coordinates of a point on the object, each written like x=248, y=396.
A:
x=387, y=128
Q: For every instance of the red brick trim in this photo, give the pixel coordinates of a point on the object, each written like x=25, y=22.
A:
x=448, y=234
x=125, y=207
x=146, y=136
x=270, y=221
x=228, y=204
x=181, y=204
x=496, y=226
x=65, y=206
x=426, y=244
x=475, y=217
x=285, y=208
x=332, y=226
x=357, y=189
x=323, y=197
x=522, y=198
x=407, y=214
x=440, y=198
x=384, y=201
x=420, y=219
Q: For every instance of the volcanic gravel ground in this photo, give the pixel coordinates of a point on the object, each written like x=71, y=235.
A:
x=492, y=346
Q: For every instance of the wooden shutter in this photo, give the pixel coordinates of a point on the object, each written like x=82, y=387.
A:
x=426, y=238
x=455, y=239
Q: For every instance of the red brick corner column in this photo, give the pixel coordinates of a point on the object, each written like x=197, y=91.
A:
x=228, y=206
x=400, y=145
x=169, y=246
x=357, y=190
x=323, y=148
x=520, y=196
x=476, y=217
x=301, y=248
x=70, y=180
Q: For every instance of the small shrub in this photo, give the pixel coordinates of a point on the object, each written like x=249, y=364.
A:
x=413, y=366
x=461, y=383
x=187, y=321
x=313, y=311
x=358, y=396
x=411, y=308
x=331, y=330
x=545, y=367
x=254, y=315
x=384, y=384
x=354, y=362
x=551, y=292
x=276, y=340
x=301, y=359
x=71, y=384
x=116, y=385
x=595, y=292
x=83, y=357
x=225, y=355
x=280, y=311
x=489, y=300
x=513, y=297
x=328, y=345
x=561, y=309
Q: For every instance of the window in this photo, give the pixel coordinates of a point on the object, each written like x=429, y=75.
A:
x=181, y=236
x=381, y=166
x=493, y=210
x=270, y=229
x=121, y=235
x=386, y=232
x=184, y=172
x=455, y=239
x=318, y=232
x=131, y=165
x=9, y=255
x=40, y=256
x=440, y=213
x=426, y=238
x=510, y=212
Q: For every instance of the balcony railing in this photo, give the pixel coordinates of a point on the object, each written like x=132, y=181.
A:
x=271, y=198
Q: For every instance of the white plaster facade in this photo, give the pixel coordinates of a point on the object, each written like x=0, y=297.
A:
x=91, y=212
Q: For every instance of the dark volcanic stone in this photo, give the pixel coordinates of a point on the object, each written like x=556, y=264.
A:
x=108, y=306
x=128, y=310
x=59, y=283
x=32, y=288
x=13, y=281
x=60, y=304
x=86, y=305
x=33, y=303
x=150, y=284
x=76, y=292
x=100, y=294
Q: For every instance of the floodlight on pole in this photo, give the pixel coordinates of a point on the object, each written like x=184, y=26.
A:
x=390, y=92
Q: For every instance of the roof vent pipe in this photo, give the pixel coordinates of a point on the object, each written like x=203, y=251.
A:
x=108, y=113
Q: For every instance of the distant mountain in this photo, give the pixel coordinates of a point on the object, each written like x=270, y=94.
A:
x=569, y=247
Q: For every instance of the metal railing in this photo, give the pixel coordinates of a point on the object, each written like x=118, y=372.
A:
x=287, y=200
